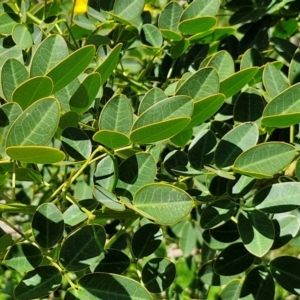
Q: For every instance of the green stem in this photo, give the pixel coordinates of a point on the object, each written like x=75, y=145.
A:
x=13, y=227
x=17, y=208
x=13, y=191
x=292, y=134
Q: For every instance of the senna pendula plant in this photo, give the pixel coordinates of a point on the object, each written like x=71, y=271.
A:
x=149, y=149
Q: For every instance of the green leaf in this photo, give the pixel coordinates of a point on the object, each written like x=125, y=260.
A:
x=71, y=67
x=264, y=160
x=134, y=172
x=32, y=90
x=104, y=175
x=170, y=17
x=284, y=48
x=256, y=231
x=101, y=286
x=180, y=48
x=233, y=260
x=38, y=283
x=274, y=81
x=223, y=63
x=6, y=241
x=285, y=270
x=128, y=9
x=248, y=106
x=283, y=110
x=233, y=84
x=198, y=24
x=47, y=225
x=75, y=294
x=12, y=75
x=201, y=84
x=107, y=199
x=153, y=96
x=162, y=120
x=233, y=143
x=174, y=159
x=200, y=8
x=22, y=36
x=82, y=247
x=240, y=187
x=36, y=125
x=76, y=143
x=182, y=138
x=259, y=284
x=294, y=69
x=28, y=174
x=113, y=261
x=200, y=151
x=48, y=54
x=278, y=198
x=69, y=119
x=216, y=213
x=73, y=215
x=85, y=94
x=231, y=291
x=158, y=274
x=163, y=203
x=35, y=154
x=8, y=114
x=23, y=257
x=64, y=95
x=251, y=58
x=146, y=240
x=152, y=35
x=7, y=22
x=106, y=68
x=188, y=239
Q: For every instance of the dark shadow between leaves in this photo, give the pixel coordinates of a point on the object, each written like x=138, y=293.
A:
x=226, y=154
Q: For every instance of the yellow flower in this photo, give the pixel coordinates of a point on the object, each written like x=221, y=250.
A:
x=81, y=7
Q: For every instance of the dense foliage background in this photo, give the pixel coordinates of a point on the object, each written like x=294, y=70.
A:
x=149, y=149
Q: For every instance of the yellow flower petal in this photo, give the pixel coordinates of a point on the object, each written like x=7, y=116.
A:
x=81, y=7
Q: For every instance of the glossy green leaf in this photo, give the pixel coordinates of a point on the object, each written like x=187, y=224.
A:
x=180, y=48
x=107, y=198
x=198, y=24
x=218, y=238
x=7, y=22
x=256, y=231
x=76, y=143
x=22, y=36
x=201, y=84
x=188, y=239
x=200, y=151
x=128, y=9
x=158, y=274
x=169, y=17
x=284, y=48
x=85, y=94
x=219, y=172
x=111, y=139
x=47, y=225
x=231, y=291
x=106, y=68
x=12, y=75
x=104, y=175
x=223, y=63
x=6, y=241
x=153, y=96
x=28, y=174
x=71, y=67
x=285, y=270
x=294, y=69
x=64, y=95
x=286, y=228
x=233, y=260
x=38, y=283
x=259, y=284
x=101, y=286
x=8, y=114
x=278, y=198
x=212, y=35
x=162, y=120
x=152, y=35
x=82, y=247
x=32, y=90
x=73, y=215
x=200, y=8
x=69, y=119
x=216, y=213
x=217, y=185
x=48, y=54
x=163, y=203
x=248, y=106
x=205, y=108
x=251, y=58
x=113, y=261
x=135, y=172
x=182, y=138
x=264, y=160
x=36, y=125
x=146, y=240
x=174, y=159
x=208, y=275
x=274, y=81
x=283, y=111
x=233, y=84
x=285, y=28
x=75, y=294
x=233, y=143
x=23, y=257
x=240, y=187
x=35, y=154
